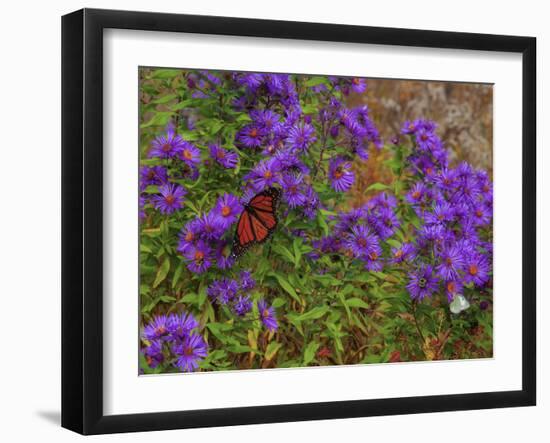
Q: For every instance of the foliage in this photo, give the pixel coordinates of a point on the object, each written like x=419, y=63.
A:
x=403, y=274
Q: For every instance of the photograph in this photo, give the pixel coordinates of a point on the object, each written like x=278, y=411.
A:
x=300, y=220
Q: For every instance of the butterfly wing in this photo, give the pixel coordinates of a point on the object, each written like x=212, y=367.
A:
x=257, y=221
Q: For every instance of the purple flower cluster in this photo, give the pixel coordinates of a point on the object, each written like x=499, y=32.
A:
x=284, y=136
x=204, y=239
x=233, y=293
x=360, y=233
x=172, y=339
x=170, y=196
x=430, y=154
x=454, y=207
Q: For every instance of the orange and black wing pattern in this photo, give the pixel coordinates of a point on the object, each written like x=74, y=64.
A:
x=257, y=221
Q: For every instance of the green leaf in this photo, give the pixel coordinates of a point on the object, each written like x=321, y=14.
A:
x=158, y=119
x=272, y=349
x=393, y=243
x=278, y=302
x=162, y=272
x=284, y=252
x=182, y=105
x=297, y=251
x=322, y=223
x=309, y=353
x=165, y=99
x=177, y=275
x=313, y=314
x=377, y=187
x=165, y=73
x=218, y=329
x=314, y=81
x=239, y=349
x=357, y=303
x=283, y=282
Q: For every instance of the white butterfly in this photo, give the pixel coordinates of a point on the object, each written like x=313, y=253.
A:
x=459, y=304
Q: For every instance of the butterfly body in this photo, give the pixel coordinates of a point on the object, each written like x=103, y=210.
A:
x=257, y=221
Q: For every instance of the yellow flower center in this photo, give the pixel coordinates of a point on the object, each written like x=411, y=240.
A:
x=473, y=270
x=226, y=210
x=187, y=154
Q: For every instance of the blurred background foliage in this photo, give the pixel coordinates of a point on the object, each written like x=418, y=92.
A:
x=463, y=112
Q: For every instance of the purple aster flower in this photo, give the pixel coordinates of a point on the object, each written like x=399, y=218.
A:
x=422, y=283
x=188, y=236
x=228, y=159
x=152, y=176
x=265, y=118
x=362, y=152
x=385, y=222
x=157, y=328
x=409, y=127
x=382, y=200
x=251, y=81
x=168, y=145
x=312, y=202
x=340, y=175
x=251, y=136
x=228, y=209
x=210, y=226
x=442, y=213
x=464, y=171
x=292, y=187
x=477, y=269
x=481, y=214
x=199, y=257
x=451, y=261
x=405, y=253
x=446, y=179
x=287, y=160
x=347, y=220
x=432, y=233
x=467, y=193
x=362, y=242
x=191, y=155
x=170, y=198
x=267, y=316
x=153, y=354
x=453, y=288
x=265, y=174
x=373, y=262
x=181, y=325
x=301, y=136
x=223, y=291
x=247, y=282
x=190, y=352
x=417, y=194
x=242, y=305
x=224, y=256
x=358, y=85
x=425, y=140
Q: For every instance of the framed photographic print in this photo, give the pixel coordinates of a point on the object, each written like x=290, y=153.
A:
x=273, y=221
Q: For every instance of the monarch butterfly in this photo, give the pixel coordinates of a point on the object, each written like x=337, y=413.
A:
x=257, y=221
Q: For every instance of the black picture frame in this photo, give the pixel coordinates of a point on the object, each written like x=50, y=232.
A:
x=82, y=218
